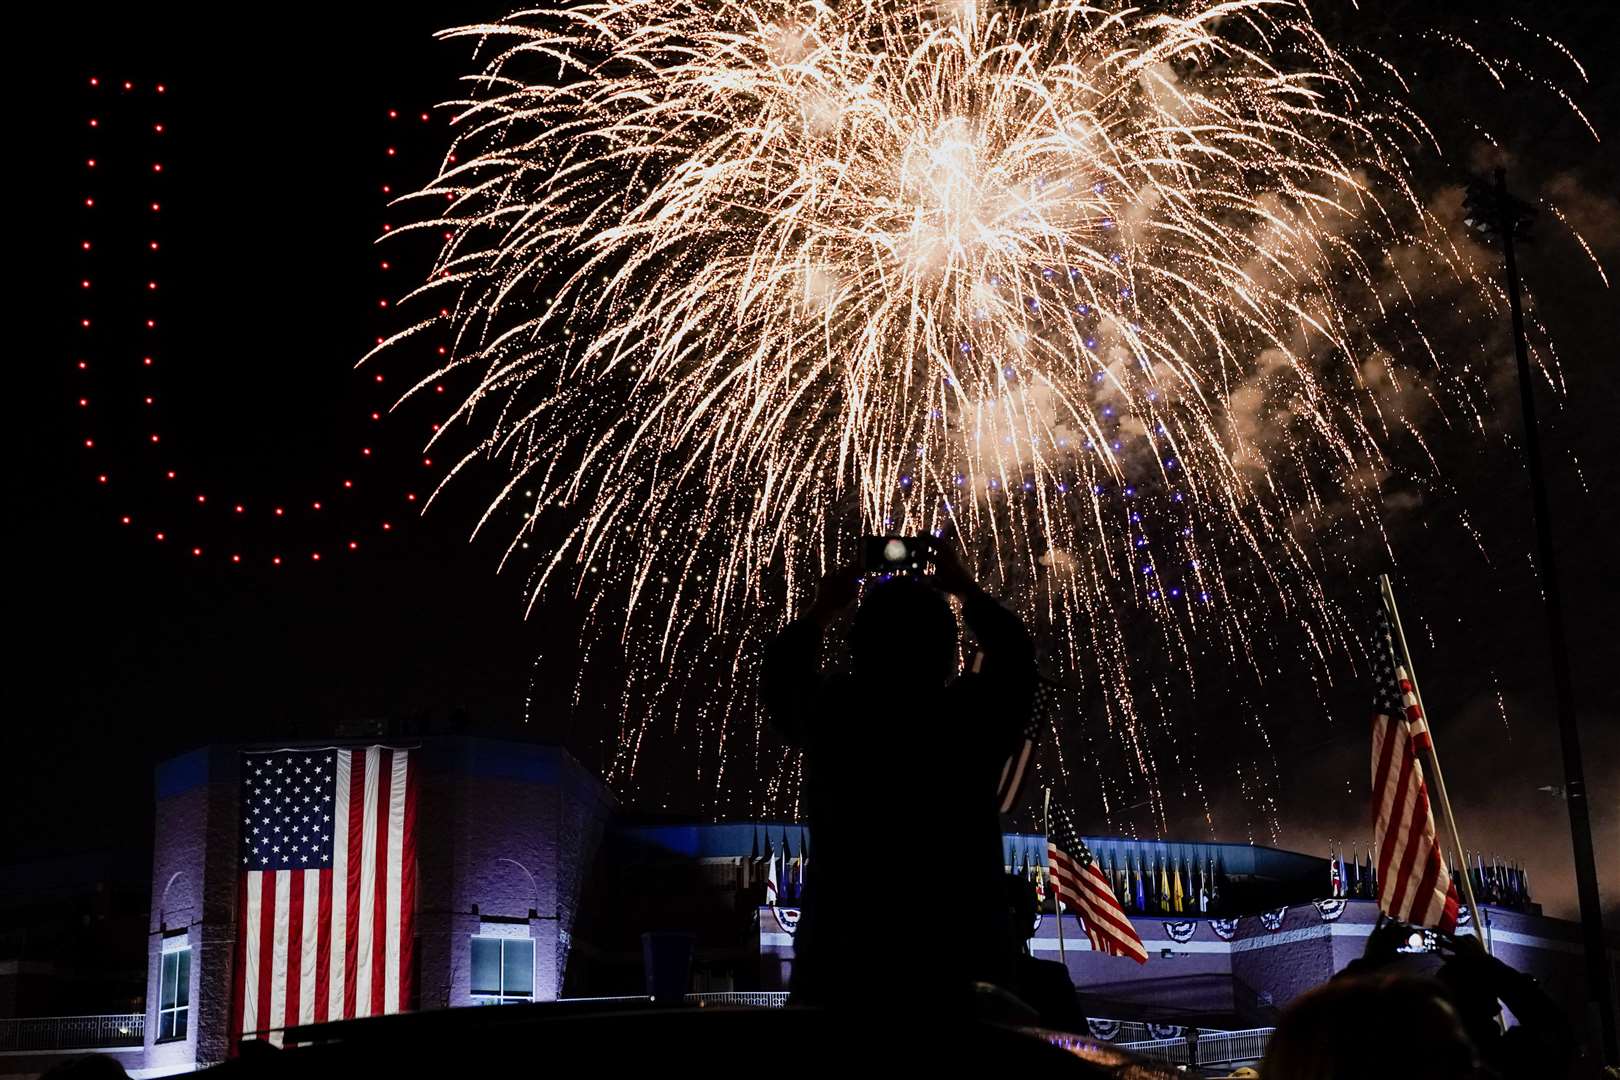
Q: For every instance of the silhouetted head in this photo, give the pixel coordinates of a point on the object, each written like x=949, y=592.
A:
x=1021, y=909
x=904, y=629
x=1388, y=1026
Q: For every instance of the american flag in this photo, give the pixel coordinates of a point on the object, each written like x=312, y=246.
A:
x=1015, y=773
x=1077, y=879
x=1413, y=885
x=326, y=910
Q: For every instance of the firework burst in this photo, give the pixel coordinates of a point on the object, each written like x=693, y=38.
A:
x=1115, y=297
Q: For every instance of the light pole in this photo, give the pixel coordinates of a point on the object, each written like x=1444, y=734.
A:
x=1498, y=215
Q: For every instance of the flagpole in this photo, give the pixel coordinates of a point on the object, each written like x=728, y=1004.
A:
x=1480, y=926
x=1057, y=891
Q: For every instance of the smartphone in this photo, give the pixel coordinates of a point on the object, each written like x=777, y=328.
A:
x=897, y=554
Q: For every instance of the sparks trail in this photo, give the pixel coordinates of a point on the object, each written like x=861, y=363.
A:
x=1114, y=296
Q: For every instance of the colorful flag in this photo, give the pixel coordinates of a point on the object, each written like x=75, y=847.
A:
x=1412, y=883
x=787, y=867
x=770, y=872
x=1175, y=888
x=1077, y=879
x=327, y=895
x=1164, y=890
x=1141, y=889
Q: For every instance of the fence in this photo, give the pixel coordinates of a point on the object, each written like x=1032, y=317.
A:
x=43, y=1034
x=1214, y=1047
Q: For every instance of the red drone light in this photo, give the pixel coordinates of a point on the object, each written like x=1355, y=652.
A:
x=89, y=444
x=154, y=436
x=239, y=508
x=393, y=114
x=147, y=360
x=161, y=88
x=85, y=323
x=155, y=208
x=83, y=366
x=202, y=498
x=89, y=202
x=158, y=128
x=276, y=560
x=385, y=264
x=154, y=245
x=391, y=151
x=102, y=479
x=279, y=511
x=157, y=166
x=196, y=551
x=90, y=163
x=85, y=245
x=236, y=558
x=317, y=506
x=94, y=81
x=386, y=526
x=315, y=555
x=170, y=474
x=160, y=536
x=353, y=546
x=129, y=85
x=348, y=483
x=124, y=519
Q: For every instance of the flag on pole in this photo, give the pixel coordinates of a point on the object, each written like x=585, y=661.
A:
x=1016, y=771
x=770, y=872
x=1077, y=879
x=1175, y=888
x=1141, y=889
x=327, y=894
x=1412, y=883
x=1164, y=889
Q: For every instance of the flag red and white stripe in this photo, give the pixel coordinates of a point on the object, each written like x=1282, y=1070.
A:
x=326, y=923
x=1077, y=880
x=1413, y=884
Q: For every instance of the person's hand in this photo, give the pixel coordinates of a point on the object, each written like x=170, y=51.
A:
x=1385, y=940
x=834, y=594
x=1464, y=949
x=949, y=573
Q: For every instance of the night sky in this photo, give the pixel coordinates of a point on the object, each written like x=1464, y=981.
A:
x=126, y=650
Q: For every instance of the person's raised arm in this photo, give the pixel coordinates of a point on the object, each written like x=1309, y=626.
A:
x=792, y=677
x=1007, y=675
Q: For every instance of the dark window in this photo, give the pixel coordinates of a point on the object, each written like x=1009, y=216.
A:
x=174, y=995
x=503, y=969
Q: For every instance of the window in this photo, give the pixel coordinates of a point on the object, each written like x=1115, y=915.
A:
x=174, y=995
x=502, y=969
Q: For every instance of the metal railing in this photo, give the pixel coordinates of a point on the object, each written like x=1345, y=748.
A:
x=1214, y=1047
x=759, y=999
x=43, y=1034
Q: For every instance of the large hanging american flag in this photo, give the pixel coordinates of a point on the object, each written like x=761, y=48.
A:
x=1077, y=879
x=326, y=914
x=1413, y=885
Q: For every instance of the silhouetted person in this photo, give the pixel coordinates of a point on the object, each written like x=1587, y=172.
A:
x=1043, y=985
x=1540, y=1044
x=1394, y=1027
x=901, y=765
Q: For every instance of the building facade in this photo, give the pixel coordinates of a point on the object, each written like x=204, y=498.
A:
x=531, y=886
